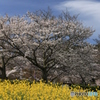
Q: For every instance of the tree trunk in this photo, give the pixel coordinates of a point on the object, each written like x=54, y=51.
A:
x=4, y=73
x=44, y=75
x=83, y=80
x=3, y=69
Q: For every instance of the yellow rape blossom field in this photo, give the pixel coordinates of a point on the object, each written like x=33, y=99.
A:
x=23, y=90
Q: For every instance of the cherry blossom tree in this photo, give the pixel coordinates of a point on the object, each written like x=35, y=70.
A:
x=50, y=43
x=98, y=48
x=5, y=57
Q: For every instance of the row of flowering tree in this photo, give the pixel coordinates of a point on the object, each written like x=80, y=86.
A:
x=50, y=43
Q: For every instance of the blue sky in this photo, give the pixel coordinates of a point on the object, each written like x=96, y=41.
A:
x=88, y=10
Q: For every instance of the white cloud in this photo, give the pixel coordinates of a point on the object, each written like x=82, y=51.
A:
x=89, y=11
x=89, y=7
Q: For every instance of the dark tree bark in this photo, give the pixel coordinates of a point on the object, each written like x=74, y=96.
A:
x=83, y=80
x=3, y=69
x=44, y=76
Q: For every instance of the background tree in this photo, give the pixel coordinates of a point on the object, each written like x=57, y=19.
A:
x=97, y=46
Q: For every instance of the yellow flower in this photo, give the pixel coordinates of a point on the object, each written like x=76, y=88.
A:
x=22, y=90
